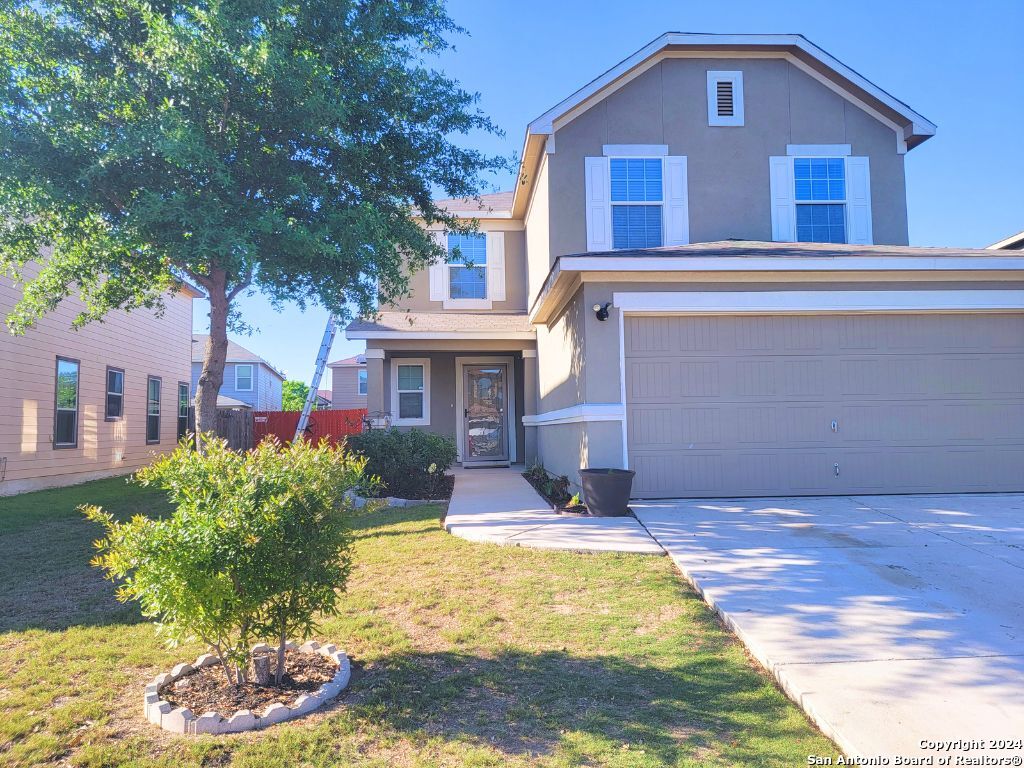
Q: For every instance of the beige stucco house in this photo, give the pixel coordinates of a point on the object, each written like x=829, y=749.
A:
x=349, y=383
x=97, y=402
x=704, y=275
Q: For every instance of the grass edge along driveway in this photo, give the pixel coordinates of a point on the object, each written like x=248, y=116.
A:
x=469, y=654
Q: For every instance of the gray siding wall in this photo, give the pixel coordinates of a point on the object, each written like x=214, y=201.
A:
x=728, y=176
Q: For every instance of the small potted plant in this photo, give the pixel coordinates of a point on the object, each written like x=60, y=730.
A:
x=606, y=491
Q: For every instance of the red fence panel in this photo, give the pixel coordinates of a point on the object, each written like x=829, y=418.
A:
x=330, y=425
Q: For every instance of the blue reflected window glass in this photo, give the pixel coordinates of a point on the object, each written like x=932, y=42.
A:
x=821, y=223
x=636, y=180
x=636, y=226
x=819, y=178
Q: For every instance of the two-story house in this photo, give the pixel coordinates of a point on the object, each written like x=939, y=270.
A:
x=99, y=401
x=704, y=275
x=249, y=380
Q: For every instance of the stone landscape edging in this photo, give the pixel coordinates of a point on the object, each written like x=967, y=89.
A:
x=359, y=502
x=183, y=720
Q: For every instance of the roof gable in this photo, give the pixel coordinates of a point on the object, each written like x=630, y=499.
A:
x=910, y=127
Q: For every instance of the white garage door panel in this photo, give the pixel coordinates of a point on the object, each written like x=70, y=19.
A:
x=744, y=405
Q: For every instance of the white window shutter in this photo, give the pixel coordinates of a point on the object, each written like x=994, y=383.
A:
x=599, y=208
x=496, y=266
x=783, y=203
x=858, y=195
x=677, y=205
x=438, y=272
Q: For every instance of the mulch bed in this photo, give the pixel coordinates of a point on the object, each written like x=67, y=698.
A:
x=558, y=506
x=443, y=492
x=207, y=689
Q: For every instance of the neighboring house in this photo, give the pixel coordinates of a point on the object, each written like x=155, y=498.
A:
x=1011, y=243
x=348, y=380
x=96, y=402
x=249, y=380
x=323, y=399
x=703, y=275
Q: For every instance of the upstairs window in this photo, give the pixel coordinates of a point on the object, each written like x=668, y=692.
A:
x=637, y=197
x=467, y=266
x=243, y=378
x=362, y=381
x=725, y=98
x=820, y=194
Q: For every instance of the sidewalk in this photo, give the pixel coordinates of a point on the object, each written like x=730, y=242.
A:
x=498, y=506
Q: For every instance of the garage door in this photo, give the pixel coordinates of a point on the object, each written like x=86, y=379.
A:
x=807, y=405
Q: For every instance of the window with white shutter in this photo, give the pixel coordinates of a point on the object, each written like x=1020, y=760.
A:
x=725, y=98
x=820, y=199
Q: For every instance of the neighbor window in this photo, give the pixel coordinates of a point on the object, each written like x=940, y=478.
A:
x=152, y=409
x=362, y=381
x=65, y=421
x=410, y=394
x=183, y=398
x=636, y=196
x=467, y=266
x=243, y=378
x=115, y=394
x=820, y=195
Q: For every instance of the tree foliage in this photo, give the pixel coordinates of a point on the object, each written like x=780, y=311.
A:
x=286, y=146
x=293, y=395
x=257, y=548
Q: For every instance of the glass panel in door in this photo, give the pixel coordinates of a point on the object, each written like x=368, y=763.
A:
x=486, y=426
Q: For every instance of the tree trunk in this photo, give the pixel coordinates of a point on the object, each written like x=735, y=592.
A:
x=212, y=376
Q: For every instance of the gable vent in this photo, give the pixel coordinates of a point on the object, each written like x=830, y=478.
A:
x=724, y=98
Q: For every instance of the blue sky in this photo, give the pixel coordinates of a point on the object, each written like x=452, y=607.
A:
x=957, y=63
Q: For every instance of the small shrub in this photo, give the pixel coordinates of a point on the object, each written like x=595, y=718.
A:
x=257, y=546
x=411, y=465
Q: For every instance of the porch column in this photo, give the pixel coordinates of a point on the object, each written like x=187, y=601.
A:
x=530, y=402
x=375, y=395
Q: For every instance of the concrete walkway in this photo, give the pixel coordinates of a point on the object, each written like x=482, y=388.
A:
x=499, y=507
x=892, y=620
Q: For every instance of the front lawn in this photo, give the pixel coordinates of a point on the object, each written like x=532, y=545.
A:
x=471, y=655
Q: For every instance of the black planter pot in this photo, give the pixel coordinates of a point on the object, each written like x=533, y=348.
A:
x=606, y=491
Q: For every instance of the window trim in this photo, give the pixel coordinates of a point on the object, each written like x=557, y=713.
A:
x=188, y=389
x=159, y=406
x=662, y=203
x=845, y=202
x=78, y=396
x=736, y=119
x=252, y=377
x=362, y=381
x=395, y=419
x=107, y=393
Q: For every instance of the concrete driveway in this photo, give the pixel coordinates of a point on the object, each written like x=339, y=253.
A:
x=894, y=621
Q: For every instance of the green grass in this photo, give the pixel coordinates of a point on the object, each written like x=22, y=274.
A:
x=471, y=655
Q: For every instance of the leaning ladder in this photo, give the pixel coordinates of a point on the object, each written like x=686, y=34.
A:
x=314, y=387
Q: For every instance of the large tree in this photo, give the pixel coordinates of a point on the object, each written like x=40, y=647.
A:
x=281, y=146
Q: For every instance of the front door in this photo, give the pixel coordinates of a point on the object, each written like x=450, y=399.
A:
x=485, y=413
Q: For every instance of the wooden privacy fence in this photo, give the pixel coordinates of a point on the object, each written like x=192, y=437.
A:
x=330, y=425
x=236, y=426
